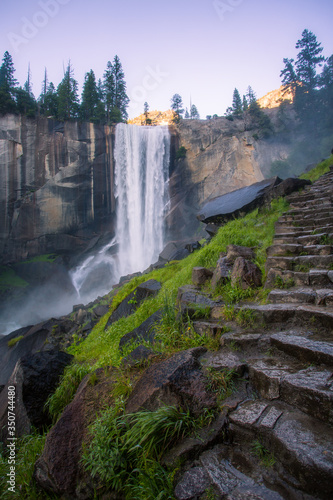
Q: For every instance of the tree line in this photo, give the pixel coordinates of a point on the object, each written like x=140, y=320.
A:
x=312, y=90
x=102, y=101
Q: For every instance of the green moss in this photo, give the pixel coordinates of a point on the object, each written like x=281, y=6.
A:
x=8, y=278
x=14, y=341
x=321, y=169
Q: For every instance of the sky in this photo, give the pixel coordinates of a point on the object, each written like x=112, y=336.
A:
x=200, y=49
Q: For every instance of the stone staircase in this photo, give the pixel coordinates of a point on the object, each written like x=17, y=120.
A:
x=288, y=352
x=293, y=415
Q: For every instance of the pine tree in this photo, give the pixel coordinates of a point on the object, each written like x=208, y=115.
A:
x=308, y=59
x=187, y=114
x=89, y=99
x=250, y=95
x=51, y=101
x=245, y=104
x=68, y=101
x=8, y=85
x=121, y=99
x=25, y=101
x=237, y=108
x=289, y=77
x=194, y=113
x=177, y=105
x=108, y=90
x=41, y=99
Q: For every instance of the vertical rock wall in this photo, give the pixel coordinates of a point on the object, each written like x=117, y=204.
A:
x=56, y=185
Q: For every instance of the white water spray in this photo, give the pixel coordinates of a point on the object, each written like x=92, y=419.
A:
x=142, y=157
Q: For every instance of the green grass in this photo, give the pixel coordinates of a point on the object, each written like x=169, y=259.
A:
x=66, y=390
x=221, y=382
x=321, y=169
x=125, y=449
x=28, y=449
x=267, y=459
x=256, y=229
x=50, y=257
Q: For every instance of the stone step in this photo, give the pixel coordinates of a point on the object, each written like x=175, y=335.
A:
x=314, y=214
x=315, y=278
x=290, y=249
x=292, y=232
x=304, y=349
x=302, y=263
x=324, y=201
x=302, y=444
x=320, y=297
x=310, y=389
x=314, y=317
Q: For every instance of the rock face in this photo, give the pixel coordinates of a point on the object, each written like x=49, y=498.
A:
x=35, y=377
x=56, y=185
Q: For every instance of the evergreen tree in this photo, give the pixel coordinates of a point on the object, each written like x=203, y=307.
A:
x=236, y=104
x=100, y=108
x=187, y=114
x=41, y=99
x=68, y=101
x=308, y=59
x=177, y=105
x=50, y=103
x=146, y=113
x=250, y=95
x=108, y=90
x=121, y=99
x=194, y=113
x=89, y=99
x=8, y=85
x=289, y=77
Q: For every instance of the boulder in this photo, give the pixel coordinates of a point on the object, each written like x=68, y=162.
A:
x=58, y=469
x=222, y=272
x=175, y=381
x=246, y=274
x=145, y=331
x=200, y=275
x=236, y=203
x=235, y=251
x=191, y=301
x=35, y=378
x=286, y=187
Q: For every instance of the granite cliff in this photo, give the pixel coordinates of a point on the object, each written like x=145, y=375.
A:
x=57, y=188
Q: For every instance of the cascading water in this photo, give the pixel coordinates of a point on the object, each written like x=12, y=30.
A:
x=142, y=156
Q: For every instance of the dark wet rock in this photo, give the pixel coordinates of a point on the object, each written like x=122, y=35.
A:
x=212, y=229
x=33, y=340
x=235, y=251
x=238, y=202
x=257, y=492
x=192, y=302
x=138, y=356
x=58, y=469
x=127, y=307
x=169, y=251
x=222, y=272
x=224, y=360
x=35, y=378
x=100, y=311
x=193, y=484
x=207, y=328
x=311, y=351
x=145, y=331
x=191, y=247
x=246, y=274
x=200, y=275
x=286, y=187
x=175, y=381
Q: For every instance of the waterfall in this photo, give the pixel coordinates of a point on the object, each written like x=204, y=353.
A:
x=142, y=157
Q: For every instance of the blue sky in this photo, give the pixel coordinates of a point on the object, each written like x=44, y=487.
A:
x=200, y=49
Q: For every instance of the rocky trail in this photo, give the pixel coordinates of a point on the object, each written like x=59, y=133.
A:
x=278, y=430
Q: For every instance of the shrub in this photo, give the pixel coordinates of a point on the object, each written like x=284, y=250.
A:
x=181, y=153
